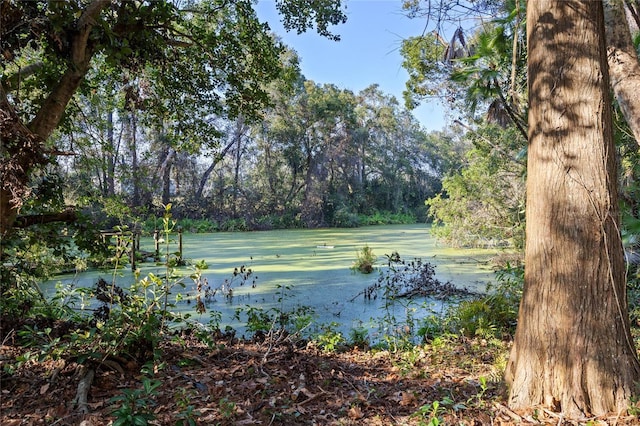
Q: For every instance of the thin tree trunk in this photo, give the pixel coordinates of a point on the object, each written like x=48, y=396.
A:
x=130, y=137
x=165, y=172
x=239, y=132
x=632, y=7
x=573, y=351
x=205, y=177
x=110, y=158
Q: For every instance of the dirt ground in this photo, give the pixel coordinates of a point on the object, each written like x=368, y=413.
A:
x=273, y=382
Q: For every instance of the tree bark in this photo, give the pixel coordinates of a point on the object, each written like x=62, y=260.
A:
x=165, y=173
x=20, y=151
x=110, y=159
x=573, y=352
x=81, y=52
x=68, y=215
x=624, y=68
x=216, y=159
x=24, y=150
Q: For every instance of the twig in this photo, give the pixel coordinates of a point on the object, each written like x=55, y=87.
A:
x=508, y=412
x=83, y=390
x=312, y=397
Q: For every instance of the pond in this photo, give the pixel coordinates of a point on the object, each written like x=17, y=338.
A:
x=308, y=268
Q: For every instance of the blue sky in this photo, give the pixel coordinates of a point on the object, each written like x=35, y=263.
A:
x=368, y=52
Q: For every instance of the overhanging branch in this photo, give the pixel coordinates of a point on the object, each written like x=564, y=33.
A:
x=68, y=215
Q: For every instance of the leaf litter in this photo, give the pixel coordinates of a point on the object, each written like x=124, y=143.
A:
x=243, y=382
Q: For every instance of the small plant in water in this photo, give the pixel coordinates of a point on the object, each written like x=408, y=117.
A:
x=364, y=261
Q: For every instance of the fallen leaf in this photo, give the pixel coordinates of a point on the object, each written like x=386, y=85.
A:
x=408, y=398
x=44, y=388
x=355, y=412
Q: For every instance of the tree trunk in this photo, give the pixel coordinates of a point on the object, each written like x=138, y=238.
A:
x=632, y=7
x=624, y=68
x=573, y=352
x=111, y=155
x=165, y=173
x=205, y=176
x=129, y=120
x=239, y=132
x=15, y=166
x=20, y=151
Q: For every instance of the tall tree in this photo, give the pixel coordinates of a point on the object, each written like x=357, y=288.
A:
x=51, y=46
x=573, y=351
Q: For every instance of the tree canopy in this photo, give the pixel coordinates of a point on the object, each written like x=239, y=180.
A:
x=167, y=54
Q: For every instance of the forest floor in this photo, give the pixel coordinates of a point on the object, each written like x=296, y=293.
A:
x=273, y=382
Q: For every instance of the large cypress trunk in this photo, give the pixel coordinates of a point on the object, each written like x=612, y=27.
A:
x=573, y=351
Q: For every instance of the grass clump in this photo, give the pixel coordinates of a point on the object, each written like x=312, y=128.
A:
x=365, y=260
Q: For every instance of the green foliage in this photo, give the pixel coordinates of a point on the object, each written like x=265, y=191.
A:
x=483, y=204
x=494, y=314
x=345, y=218
x=433, y=326
x=365, y=261
x=359, y=337
x=422, y=58
x=386, y=218
x=286, y=220
x=281, y=320
x=234, y=225
x=261, y=320
x=135, y=405
x=634, y=406
x=133, y=321
x=111, y=214
x=20, y=293
x=431, y=413
x=227, y=408
x=188, y=415
x=329, y=338
x=197, y=226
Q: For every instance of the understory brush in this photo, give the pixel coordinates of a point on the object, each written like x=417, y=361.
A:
x=494, y=314
x=116, y=327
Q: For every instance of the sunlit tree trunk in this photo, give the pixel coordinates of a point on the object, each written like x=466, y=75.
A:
x=573, y=352
x=110, y=158
x=130, y=123
x=239, y=132
x=165, y=173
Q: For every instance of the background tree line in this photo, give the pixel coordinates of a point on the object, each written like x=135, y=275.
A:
x=319, y=156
